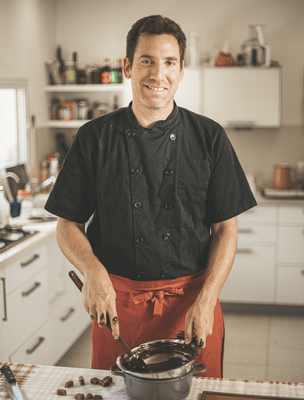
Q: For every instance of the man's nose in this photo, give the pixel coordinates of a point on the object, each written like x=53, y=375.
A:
x=158, y=72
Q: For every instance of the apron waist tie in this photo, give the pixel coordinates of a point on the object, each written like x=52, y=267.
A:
x=157, y=297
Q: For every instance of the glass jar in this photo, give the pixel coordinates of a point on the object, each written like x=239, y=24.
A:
x=253, y=52
x=70, y=73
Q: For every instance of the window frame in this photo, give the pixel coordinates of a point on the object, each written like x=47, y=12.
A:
x=24, y=151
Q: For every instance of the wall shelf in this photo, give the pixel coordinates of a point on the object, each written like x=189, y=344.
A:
x=76, y=123
x=115, y=87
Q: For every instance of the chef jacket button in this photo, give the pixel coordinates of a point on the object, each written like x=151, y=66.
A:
x=139, y=240
x=172, y=136
x=169, y=172
x=168, y=206
x=166, y=236
x=164, y=273
x=137, y=204
x=131, y=134
x=140, y=274
x=134, y=171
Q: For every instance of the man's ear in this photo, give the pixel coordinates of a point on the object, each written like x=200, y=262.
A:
x=127, y=68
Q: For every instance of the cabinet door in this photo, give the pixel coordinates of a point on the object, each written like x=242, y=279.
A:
x=290, y=285
x=55, y=269
x=243, y=97
x=27, y=309
x=251, y=279
x=291, y=214
x=256, y=234
x=291, y=244
x=68, y=323
x=258, y=214
x=27, y=266
x=37, y=349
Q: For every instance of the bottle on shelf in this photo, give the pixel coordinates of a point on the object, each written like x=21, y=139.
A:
x=61, y=63
x=106, y=71
x=114, y=72
x=74, y=58
x=70, y=73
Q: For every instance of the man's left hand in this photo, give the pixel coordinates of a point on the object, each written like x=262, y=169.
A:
x=199, y=324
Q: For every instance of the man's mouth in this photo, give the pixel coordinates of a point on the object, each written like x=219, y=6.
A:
x=156, y=89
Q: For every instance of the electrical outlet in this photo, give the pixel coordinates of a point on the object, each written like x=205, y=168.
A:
x=300, y=166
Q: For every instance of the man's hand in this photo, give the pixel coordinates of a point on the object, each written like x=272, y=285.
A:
x=99, y=300
x=199, y=323
x=200, y=317
x=98, y=294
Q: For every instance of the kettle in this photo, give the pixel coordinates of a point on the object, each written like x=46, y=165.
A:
x=283, y=175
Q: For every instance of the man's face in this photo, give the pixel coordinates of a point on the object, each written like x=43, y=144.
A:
x=156, y=71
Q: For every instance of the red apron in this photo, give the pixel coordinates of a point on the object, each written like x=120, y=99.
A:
x=151, y=310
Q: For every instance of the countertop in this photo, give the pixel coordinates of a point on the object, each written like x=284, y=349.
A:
x=46, y=231
x=39, y=382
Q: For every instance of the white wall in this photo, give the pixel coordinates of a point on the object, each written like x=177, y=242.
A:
x=27, y=37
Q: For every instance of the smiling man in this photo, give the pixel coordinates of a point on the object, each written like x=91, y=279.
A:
x=164, y=187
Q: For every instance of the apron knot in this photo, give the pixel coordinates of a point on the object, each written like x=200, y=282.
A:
x=157, y=296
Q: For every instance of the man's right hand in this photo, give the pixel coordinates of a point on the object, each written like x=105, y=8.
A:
x=98, y=294
x=99, y=299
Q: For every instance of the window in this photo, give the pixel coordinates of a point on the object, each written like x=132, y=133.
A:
x=13, y=122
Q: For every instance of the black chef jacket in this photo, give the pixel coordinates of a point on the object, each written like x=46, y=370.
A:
x=153, y=193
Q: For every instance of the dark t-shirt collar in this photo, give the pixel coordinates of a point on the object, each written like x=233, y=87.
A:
x=159, y=125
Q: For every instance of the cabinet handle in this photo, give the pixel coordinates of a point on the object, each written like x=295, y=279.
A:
x=245, y=230
x=4, y=300
x=243, y=251
x=70, y=312
x=302, y=273
x=27, y=263
x=40, y=341
x=36, y=285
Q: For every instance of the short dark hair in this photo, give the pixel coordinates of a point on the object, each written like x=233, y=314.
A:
x=155, y=25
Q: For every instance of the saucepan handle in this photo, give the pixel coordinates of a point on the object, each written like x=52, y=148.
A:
x=114, y=372
x=202, y=369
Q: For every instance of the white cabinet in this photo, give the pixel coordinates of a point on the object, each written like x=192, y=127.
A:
x=40, y=308
x=251, y=279
x=291, y=255
x=24, y=299
x=269, y=263
x=241, y=97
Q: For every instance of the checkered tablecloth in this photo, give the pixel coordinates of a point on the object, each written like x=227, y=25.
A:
x=42, y=382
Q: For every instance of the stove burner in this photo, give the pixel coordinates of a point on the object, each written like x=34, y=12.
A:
x=10, y=236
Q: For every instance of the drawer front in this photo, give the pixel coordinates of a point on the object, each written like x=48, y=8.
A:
x=37, y=350
x=290, y=285
x=67, y=325
x=27, y=309
x=291, y=244
x=291, y=214
x=253, y=234
x=25, y=267
x=260, y=213
x=251, y=279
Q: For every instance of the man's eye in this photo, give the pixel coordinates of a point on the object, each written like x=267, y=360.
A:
x=170, y=62
x=146, y=61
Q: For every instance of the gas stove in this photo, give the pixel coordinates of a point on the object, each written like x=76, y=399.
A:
x=11, y=236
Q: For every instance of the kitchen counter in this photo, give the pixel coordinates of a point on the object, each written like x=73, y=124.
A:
x=41, y=383
x=46, y=231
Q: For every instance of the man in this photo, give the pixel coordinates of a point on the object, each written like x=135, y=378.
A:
x=164, y=187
